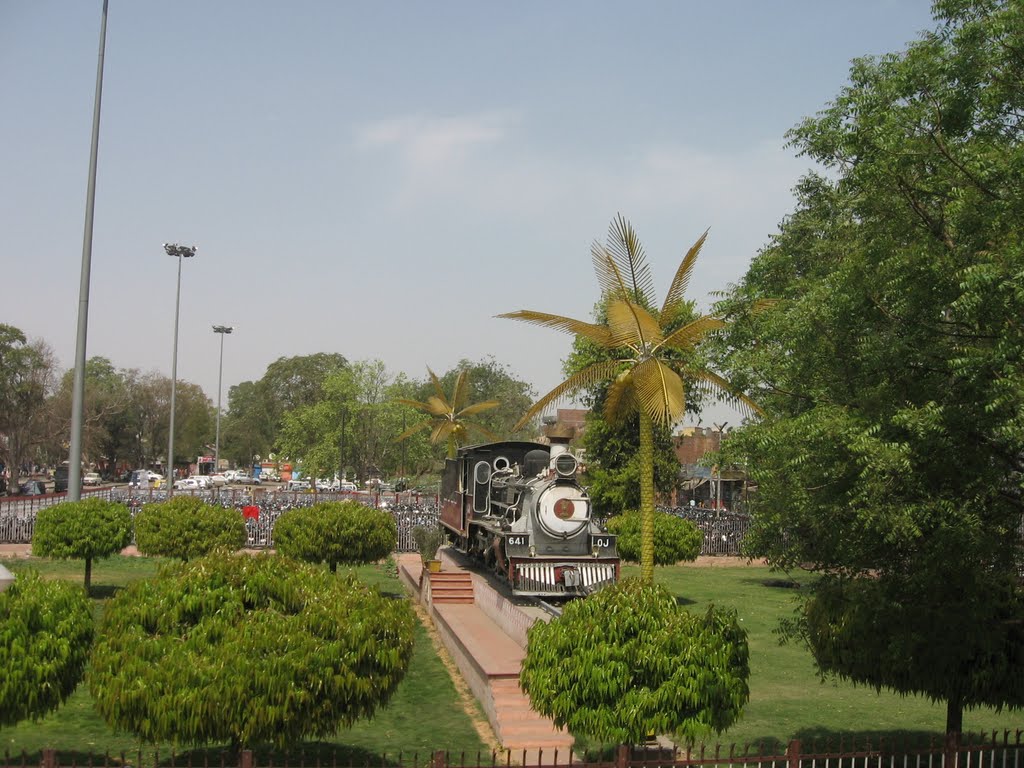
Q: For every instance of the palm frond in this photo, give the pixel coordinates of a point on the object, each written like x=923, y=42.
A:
x=486, y=405
x=437, y=406
x=413, y=404
x=596, y=333
x=441, y=431
x=438, y=389
x=711, y=383
x=460, y=391
x=763, y=305
x=588, y=377
x=631, y=325
x=414, y=429
x=659, y=391
x=620, y=401
x=607, y=272
x=690, y=334
x=628, y=253
x=681, y=281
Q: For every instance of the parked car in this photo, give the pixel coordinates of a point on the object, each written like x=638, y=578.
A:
x=218, y=480
x=203, y=480
x=187, y=484
x=91, y=478
x=298, y=485
x=347, y=486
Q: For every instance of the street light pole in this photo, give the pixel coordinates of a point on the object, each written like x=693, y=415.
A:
x=78, y=385
x=222, y=330
x=181, y=252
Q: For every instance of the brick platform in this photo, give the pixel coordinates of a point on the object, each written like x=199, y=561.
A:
x=487, y=657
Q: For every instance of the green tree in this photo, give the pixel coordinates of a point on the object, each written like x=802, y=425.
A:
x=675, y=539
x=82, y=530
x=26, y=382
x=107, y=430
x=653, y=357
x=44, y=645
x=447, y=417
x=247, y=650
x=333, y=532
x=186, y=527
x=629, y=661
x=893, y=371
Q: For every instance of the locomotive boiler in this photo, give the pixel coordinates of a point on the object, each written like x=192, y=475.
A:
x=519, y=508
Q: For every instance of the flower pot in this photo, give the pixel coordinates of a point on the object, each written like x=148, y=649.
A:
x=434, y=566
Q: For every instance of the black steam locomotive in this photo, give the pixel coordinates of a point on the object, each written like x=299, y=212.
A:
x=518, y=507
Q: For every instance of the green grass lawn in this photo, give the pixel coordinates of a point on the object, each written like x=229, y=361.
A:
x=787, y=699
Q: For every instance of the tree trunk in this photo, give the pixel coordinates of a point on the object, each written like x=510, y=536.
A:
x=954, y=717
x=646, y=497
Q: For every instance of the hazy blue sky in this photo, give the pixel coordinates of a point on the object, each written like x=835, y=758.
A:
x=380, y=179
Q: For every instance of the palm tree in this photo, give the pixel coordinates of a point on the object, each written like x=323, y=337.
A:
x=447, y=418
x=647, y=372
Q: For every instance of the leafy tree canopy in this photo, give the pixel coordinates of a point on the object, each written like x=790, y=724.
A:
x=186, y=527
x=675, y=539
x=893, y=369
x=247, y=650
x=82, y=530
x=336, y=532
x=629, y=661
x=44, y=645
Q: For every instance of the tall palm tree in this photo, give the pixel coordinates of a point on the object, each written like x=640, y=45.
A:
x=647, y=372
x=447, y=417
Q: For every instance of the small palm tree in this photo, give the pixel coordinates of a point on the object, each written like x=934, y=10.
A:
x=447, y=417
x=647, y=372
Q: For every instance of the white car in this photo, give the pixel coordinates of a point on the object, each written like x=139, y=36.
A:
x=203, y=480
x=91, y=478
x=187, y=484
x=298, y=485
x=218, y=480
x=347, y=486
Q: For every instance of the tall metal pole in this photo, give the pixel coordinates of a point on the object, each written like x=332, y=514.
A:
x=222, y=330
x=78, y=387
x=181, y=251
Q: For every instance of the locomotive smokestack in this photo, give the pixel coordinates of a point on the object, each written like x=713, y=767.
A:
x=558, y=436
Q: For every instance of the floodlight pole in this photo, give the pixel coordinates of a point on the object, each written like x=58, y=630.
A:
x=78, y=386
x=181, y=252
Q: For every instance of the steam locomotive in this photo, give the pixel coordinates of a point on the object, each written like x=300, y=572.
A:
x=518, y=507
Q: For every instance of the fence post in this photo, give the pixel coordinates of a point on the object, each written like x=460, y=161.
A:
x=622, y=756
x=49, y=758
x=794, y=753
x=245, y=759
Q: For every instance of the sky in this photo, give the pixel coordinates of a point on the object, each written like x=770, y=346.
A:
x=380, y=179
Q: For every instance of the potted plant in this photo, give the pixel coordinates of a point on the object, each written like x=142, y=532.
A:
x=428, y=540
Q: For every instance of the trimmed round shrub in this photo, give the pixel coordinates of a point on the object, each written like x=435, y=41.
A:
x=630, y=661
x=82, y=530
x=247, y=650
x=46, y=629
x=675, y=539
x=334, y=532
x=186, y=527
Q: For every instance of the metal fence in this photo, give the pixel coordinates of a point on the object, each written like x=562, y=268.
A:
x=723, y=531
x=997, y=750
